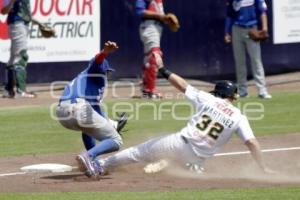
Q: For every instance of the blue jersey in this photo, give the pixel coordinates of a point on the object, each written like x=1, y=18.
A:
x=244, y=13
x=20, y=11
x=89, y=84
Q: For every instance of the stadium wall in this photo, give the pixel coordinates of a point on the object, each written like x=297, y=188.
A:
x=196, y=51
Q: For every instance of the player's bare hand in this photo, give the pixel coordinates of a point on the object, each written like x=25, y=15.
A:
x=110, y=47
x=227, y=38
x=159, y=61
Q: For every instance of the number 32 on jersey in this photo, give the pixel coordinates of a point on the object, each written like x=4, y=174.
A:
x=212, y=129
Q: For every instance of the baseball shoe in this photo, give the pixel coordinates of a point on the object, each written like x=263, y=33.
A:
x=196, y=168
x=151, y=95
x=122, y=121
x=26, y=95
x=99, y=169
x=265, y=96
x=243, y=95
x=85, y=164
x=8, y=94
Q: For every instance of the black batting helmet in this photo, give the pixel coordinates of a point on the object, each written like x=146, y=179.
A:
x=225, y=89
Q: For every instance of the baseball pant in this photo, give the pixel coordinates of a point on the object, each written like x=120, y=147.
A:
x=171, y=147
x=80, y=116
x=150, y=71
x=18, y=33
x=150, y=34
x=241, y=45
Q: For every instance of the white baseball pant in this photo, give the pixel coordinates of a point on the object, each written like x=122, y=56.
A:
x=18, y=33
x=171, y=147
x=150, y=34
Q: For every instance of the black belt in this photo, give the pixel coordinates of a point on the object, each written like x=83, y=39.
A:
x=246, y=26
x=154, y=20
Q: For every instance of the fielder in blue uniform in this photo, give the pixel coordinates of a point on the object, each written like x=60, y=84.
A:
x=79, y=108
x=242, y=16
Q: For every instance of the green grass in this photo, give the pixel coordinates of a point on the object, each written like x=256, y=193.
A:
x=32, y=131
x=281, y=114
x=238, y=194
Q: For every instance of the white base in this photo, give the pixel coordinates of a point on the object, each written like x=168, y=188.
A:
x=48, y=167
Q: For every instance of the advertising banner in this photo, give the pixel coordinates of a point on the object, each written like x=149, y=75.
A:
x=286, y=21
x=77, y=26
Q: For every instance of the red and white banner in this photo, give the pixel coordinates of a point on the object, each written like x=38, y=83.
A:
x=77, y=26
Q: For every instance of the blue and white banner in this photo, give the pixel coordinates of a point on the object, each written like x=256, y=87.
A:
x=286, y=21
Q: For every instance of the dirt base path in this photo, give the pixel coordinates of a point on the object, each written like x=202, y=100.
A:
x=221, y=172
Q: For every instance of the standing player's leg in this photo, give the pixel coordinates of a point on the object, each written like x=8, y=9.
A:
x=258, y=72
x=21, y=72
x=19, y=34
x=10, y=74
x=150, y=34
x=10, y=82
x=150, y=74
x=239, y=51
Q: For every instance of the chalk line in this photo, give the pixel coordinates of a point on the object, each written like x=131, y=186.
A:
x=23, y=173
x=219, y=154
x=264, y=151
x=12, y=174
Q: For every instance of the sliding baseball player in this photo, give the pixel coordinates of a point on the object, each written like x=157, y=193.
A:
x=211, y=126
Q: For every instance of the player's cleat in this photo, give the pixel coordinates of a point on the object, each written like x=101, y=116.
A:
x=122, y=121
x=85, y=164
x=26, y=95
x=265, y=96
x=99, y=169
x=243, y=95
x=8, y=94
x=152, y=95
x=196, y=168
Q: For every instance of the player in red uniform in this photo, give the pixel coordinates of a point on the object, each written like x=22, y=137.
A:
x=152, y=18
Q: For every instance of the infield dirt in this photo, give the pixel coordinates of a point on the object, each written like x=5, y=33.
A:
x=220, y=172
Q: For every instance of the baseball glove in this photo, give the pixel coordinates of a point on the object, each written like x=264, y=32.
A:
x=172, y=21
x=258, y=35
x=45, y=30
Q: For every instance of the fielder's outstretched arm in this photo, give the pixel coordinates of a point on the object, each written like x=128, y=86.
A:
x=109, y=48
x=177, y=81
